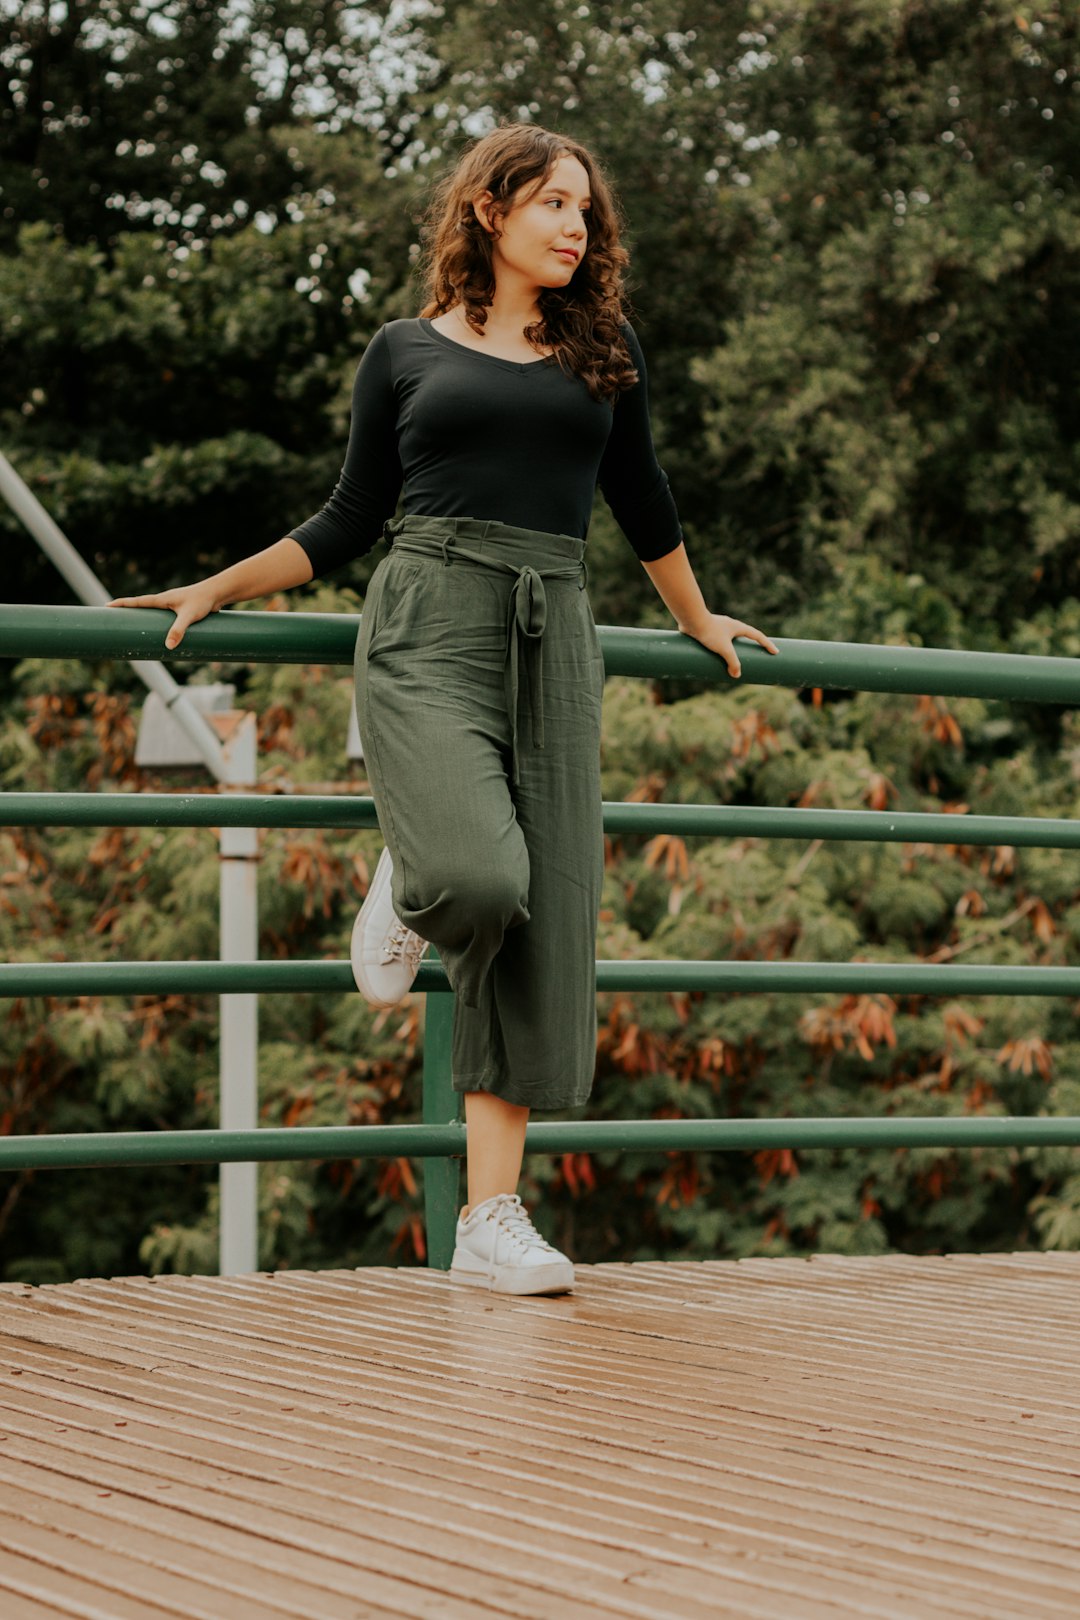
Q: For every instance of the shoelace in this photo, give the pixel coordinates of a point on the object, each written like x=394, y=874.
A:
x=513, y=1218
x=403, y=942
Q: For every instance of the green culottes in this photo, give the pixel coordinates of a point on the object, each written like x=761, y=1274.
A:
x=479, y=682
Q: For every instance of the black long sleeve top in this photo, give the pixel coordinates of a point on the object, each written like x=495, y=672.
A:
x=472, y=435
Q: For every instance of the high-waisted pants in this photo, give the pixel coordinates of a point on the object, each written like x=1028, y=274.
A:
x=479, y=681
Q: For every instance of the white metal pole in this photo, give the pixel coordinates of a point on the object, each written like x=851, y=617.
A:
x=89, y=589
x=238, y=1062
x=233, y=764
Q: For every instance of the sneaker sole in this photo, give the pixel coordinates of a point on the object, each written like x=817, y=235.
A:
x=553, y=1279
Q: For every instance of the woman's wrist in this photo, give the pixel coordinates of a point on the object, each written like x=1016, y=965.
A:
x=218, y=594
x=278, y=568
x=694, y=626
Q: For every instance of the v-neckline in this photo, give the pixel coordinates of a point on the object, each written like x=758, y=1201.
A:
x=492, y=359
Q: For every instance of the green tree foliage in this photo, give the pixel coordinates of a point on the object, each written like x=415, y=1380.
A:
x=854, y=237
x=164, y=114
x=180, y=334
x=855, y=230
x=763, y=1056
x=138, y=360
x=875, y=207
x=150, y=1062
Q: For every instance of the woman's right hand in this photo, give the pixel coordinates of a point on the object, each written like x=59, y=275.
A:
x=189, y=602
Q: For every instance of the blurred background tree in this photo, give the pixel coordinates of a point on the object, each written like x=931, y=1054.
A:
x=854, y=235
x=207, y=213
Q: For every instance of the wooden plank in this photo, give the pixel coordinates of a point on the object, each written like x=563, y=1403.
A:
x=240, y=1566
x=50, y=1589
x=460, y=1550
x=826, y=1437
x=628, y=1508
x=1040, y=1453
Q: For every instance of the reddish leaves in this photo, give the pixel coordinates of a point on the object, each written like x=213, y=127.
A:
x=772, y=1162
x=577, y=1172
x=309, y=863
x=397, y=1182
x=680, y=1182
x=1027, y=1053
x=939, y=722
x=669, y=849
x=879, y=790
x=752, y=730
x=276, y=731
x=396, y=1179
x=862, y=1023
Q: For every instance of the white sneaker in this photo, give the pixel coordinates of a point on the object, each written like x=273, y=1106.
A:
x=385, y=955
x=498, y=1247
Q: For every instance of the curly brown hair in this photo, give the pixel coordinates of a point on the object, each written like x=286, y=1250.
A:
x=580, y=321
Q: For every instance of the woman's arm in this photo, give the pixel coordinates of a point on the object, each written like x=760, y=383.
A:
x=637, y=490
x=278, y=568
x=675, y=580
x=630, y=478
x=368, y=486
x=281, y=565
x=346, y=527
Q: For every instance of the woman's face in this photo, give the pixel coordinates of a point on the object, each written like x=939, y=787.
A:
x=554, y=218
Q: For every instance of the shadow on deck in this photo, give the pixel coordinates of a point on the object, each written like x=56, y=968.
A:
x=883, y=1436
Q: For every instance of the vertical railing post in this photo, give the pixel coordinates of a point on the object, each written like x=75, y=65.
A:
x=442, y=1106
x=238, y=1239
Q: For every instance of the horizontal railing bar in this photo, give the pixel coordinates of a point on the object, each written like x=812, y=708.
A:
x=669, y=974
x=256, y=636
x=100, y=1149
x=344, y=811
x=862, y=826
x=350, y=811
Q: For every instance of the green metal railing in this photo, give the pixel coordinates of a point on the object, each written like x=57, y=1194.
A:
x=260, y=637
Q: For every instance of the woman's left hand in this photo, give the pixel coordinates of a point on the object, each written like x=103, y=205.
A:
x=718, y=633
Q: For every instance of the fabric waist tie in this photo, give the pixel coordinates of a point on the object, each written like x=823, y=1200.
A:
x=526, y=618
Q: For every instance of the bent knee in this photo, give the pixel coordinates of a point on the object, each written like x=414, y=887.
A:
x=490, y=893
x=481, y=893
x=452, y=902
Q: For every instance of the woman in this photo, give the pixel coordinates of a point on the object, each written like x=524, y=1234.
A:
x=519, y=389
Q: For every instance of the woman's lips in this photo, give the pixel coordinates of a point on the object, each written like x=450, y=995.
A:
x=565, y=253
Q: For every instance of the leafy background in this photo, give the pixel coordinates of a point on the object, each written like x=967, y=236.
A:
x=866, y=407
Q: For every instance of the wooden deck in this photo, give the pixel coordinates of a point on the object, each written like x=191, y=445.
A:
x=791, y=1439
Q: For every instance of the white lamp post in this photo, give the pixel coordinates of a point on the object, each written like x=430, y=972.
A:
x=191, y=725
x=163, y=743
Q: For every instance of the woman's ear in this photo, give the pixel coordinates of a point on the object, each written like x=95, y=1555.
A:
x=481, y=203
